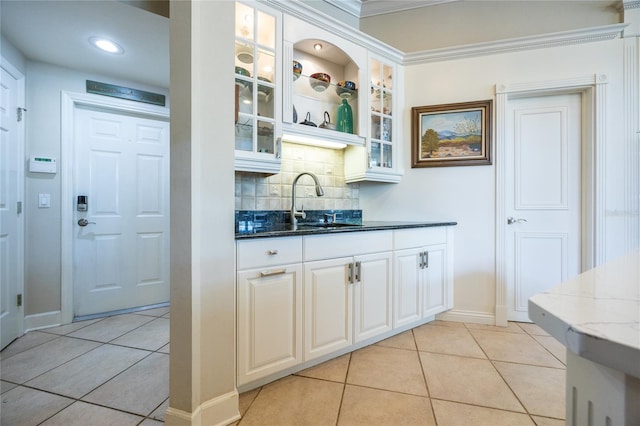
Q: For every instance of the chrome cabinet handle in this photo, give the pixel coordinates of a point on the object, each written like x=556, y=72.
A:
x=511, y=220
x=357, y=271
x=421, y=260
x=426, y=259
x=350, y=273
x=84, y=222
x=273, y=272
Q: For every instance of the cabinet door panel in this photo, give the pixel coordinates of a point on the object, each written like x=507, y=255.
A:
x=372, y=296
x=327, y=307
x=269, y=311
x=408, y=287
x=435, y=287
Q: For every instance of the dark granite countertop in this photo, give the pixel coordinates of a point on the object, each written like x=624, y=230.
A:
x=285, y=230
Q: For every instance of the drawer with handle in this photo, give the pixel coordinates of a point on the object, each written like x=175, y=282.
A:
x=265, y=252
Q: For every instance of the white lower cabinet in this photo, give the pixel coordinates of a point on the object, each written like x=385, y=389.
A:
x=269, y=318
x=269, y=300
x=423, y=274
x=302, y=298
x=347, y=300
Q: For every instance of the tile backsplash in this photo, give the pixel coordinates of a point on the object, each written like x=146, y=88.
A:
x=259, y=192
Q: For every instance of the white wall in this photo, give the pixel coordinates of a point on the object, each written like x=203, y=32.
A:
x=42, y=225
x=13, y=55
x=469, y=22
x=467, y=194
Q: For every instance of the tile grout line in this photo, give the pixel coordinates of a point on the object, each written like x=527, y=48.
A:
x=424, y=377
x=344, y=389
x=500, y=375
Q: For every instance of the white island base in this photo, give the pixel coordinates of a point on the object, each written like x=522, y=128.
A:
x=597, y=317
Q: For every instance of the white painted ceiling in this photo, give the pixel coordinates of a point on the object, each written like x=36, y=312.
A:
x=57, y=32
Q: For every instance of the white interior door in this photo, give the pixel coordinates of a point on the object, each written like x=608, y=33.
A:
x=11, y=244
x=121, y=256
x=543, y=196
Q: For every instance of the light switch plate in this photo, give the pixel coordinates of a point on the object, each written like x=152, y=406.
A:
x=44, y=200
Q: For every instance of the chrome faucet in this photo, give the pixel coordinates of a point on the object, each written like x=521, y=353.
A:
x=294, y=213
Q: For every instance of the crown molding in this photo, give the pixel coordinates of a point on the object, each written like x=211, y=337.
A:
x=352, y=7
x=563, y=38
x=367, y=8
x=376, y=7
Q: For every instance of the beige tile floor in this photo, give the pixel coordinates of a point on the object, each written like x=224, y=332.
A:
x=114, y=371
x=109, y=371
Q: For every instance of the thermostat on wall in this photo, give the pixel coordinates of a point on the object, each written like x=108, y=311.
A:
x=42, y=165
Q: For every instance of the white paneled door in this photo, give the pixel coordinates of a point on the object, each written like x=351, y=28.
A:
x=11, y=176
x=543, y=196
x=121, y=241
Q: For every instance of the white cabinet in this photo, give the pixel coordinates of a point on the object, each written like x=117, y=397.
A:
x=423, y=274
x=380, y=159
x=327, y=307
x=258, y=83
x=305, y=297
x=269, y=299
x=347, y=300
x=348, y=293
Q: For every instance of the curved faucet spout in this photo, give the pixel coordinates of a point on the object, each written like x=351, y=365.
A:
x=294, y=213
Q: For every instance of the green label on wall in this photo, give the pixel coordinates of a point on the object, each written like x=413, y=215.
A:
x=125, y=93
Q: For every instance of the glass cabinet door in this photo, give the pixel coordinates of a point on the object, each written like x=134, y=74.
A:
x=381, y=93
x=255, y=81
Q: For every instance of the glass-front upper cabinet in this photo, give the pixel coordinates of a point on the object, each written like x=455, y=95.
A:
x=258, y=79
x=380, y=160
x=381, y=93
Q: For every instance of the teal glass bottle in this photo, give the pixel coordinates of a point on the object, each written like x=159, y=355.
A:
x=345, y=118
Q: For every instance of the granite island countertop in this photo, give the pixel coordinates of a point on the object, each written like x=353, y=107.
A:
x=596, y=315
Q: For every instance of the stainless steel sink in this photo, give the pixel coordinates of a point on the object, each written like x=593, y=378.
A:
x=332, y=225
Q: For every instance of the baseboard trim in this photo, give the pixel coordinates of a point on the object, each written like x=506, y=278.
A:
x=221, y=410
x=501, y=315
x=473, y=317
x=42, y=320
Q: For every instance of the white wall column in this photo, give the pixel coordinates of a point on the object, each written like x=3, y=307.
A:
x=632, y=122
x=202, y=361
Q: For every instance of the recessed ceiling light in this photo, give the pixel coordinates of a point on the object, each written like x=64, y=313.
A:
x=106, y=45
x=317, y=46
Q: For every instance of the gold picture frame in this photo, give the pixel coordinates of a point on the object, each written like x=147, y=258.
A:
x=457, y=134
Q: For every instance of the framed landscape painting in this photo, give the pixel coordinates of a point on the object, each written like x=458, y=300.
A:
x=451, y=134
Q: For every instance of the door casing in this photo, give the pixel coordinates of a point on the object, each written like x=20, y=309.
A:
x=20, y=179
x=69, y=102
x=593, y=90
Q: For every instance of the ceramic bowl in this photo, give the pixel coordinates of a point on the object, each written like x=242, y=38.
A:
x=320, y=81
x=297, y=70
x=262, y=89
x=243, y=72
x=345, y=88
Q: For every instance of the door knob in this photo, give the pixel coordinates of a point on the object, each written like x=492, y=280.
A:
x=511, y=221
x=84, y=222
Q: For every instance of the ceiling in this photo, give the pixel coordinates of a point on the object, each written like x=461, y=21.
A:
x=57, y=32
x=366, y=8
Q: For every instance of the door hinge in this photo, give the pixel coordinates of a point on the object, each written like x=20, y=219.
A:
x=19, y=207
x=19, y=300
x=20, y=110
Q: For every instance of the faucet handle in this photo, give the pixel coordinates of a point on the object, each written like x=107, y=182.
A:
x=330, y=217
